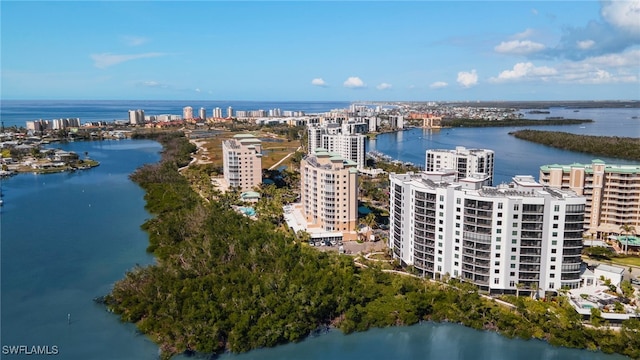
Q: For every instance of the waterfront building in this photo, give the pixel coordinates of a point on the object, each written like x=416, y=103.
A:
x=187, y=113
x=229, y=112
x=331, y=138
x=466, y=162
x=513, y=238
x=202, y=114
x=242, y=162
x=612, y=192
x=217, y=113
x=136, y=117
x=329, y=191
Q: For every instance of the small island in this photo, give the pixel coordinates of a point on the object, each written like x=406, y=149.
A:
x=32, y=159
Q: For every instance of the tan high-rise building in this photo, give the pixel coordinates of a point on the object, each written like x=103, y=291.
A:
x=187, y=113
x=612, y=192
x=242, y=161
x=329, y=191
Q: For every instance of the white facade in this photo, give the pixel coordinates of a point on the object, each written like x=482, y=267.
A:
x=466, y=162
x=329, y=137
x=513, y=238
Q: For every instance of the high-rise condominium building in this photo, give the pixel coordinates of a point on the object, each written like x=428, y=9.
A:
x=503, y=239
x=329, y=191
x=187, y=113
x=612, y=192
x=242, y=161
x=136, y=117
x=202, y=114
x=229, y=112
x=466, y=162
x=329, y=137
x=217, y=113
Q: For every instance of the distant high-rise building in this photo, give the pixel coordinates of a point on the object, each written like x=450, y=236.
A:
x=229, y=112
x=202, y=113
x=612, y=192
x=466, y=162
x=217, y=113
x=187, y=113
x=329, y=137
x=136, y=117
x=242, y=161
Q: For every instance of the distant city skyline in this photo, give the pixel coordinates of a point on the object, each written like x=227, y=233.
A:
x=321, y=51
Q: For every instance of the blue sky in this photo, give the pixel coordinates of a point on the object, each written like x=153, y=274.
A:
x=312, y=50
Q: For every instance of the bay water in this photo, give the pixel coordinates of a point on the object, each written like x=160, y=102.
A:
x=66, y=238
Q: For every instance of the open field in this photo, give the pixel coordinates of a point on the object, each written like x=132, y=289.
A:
x=274, y=147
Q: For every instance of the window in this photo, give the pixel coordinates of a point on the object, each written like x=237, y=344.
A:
x=458, y=209
x=439, y=259
x=513, y=273
x=457, y=248
x=552, y=276
x=513, y=266
x=555, y=233
x=513, y=257
x=497, y=247
x=458, y=201
x=439, y=252
x=514, y=249
x=497, y=263
x=553, y=258
x=441, y=197
x=496, y=280
x=498, y=231
x=496, y=271
x=551, y=285
x=514, y=241
x=498, y=238
x=497, y=255
x=457, y=232
x=555, y=217
x=516, y=207
x=515, y=216
x=512, y=283
x=556, y=208
x=499, y=222
x=457, y=217
x=555, y=226
x=455, y=256
x=514, y=225
x=514, y=232
x=499, y=205
x=553, y=251
x=499, y=214
x=455, y=263
x=441, y=206
x=553, y=267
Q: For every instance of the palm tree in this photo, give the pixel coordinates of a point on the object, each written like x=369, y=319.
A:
x=627, y=229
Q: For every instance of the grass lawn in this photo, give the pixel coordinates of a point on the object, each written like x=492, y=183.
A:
x=629, y=260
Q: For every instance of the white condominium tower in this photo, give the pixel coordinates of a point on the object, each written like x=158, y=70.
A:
x=349, y=146
x=503, y=239
x=329, y=191
x=466, y=162
x=242, y=161
x=612, y=192
x=136, y=117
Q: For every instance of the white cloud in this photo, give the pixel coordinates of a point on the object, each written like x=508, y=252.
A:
x=627, y=59
x=105, y=60
x=519, y=47
x=134, y=40
x=523, y=35
x=525, y=71
x=383, y=86
x=354, y=82
x=438, y=85
x=197, y=90
x=153, y=84
x=318, y=82
x=468, y=79
x=585, y=44
x=534, y=11
x=624, y=15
